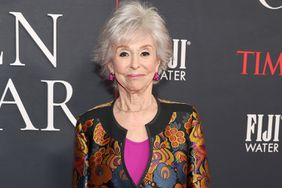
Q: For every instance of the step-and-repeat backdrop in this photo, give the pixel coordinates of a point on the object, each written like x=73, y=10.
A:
x=227, y=62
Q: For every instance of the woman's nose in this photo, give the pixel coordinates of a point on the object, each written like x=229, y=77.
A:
x=134, y=62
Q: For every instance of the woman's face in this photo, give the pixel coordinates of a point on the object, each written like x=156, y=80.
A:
x=135, y=63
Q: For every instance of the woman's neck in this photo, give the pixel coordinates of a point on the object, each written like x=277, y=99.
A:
x=135, y=101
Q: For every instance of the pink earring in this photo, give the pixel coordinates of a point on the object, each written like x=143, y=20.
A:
x=111, y=77
x=156, y=76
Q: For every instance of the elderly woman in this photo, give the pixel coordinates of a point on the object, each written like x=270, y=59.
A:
x=138, y=140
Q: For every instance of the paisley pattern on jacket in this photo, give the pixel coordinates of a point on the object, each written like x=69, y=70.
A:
x=178, y=155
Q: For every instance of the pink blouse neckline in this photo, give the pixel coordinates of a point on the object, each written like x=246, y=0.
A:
x=136, y=157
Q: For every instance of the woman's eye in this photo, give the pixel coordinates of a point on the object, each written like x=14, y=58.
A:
x=123, y=54
x=145, y=54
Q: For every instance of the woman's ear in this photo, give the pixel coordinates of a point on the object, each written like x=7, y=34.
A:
x=110, y=67
x=158, y=65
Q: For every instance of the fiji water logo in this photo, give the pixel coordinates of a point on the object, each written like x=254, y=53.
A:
x=177, y=66
x=262, y=133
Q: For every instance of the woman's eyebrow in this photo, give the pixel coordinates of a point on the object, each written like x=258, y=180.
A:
x=146, y=46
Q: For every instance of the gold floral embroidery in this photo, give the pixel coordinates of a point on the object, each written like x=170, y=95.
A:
x=173, y=117
x=109, y=156
x=113, y=158
x=100, y=136
x=161, y=154
x=175, y=136
x=180, y=156
x=188, y=125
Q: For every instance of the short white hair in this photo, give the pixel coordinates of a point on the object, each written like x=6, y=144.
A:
x=129, y=18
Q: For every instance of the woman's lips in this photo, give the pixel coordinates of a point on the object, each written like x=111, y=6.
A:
x=135, y=75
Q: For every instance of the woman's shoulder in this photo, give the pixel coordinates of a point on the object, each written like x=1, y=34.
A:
x=94, y=111
x=176, y=106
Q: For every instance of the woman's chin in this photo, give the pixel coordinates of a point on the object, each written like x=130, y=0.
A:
x=136, y=88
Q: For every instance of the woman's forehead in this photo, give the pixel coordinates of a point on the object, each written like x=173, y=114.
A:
x=136, y=40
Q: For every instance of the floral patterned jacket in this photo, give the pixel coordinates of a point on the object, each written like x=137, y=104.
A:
x=178, y=156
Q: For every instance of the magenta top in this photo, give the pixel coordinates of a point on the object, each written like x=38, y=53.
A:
x=136, y=156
